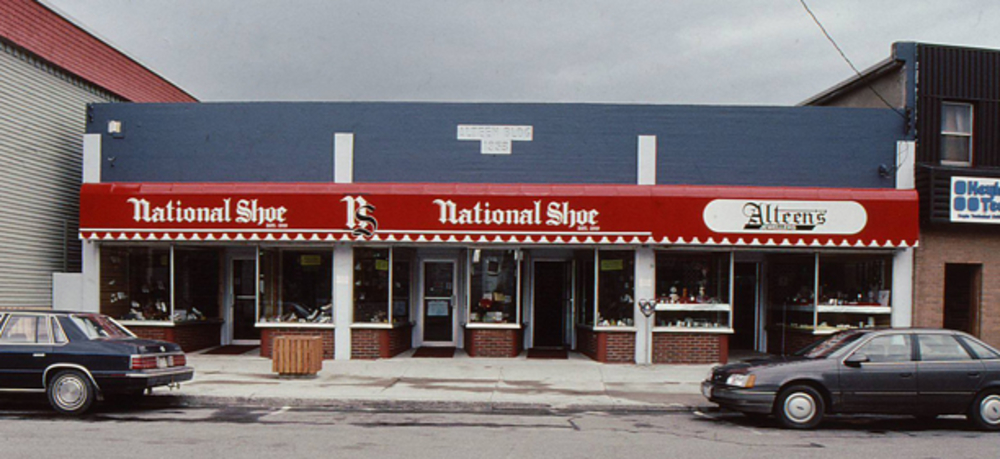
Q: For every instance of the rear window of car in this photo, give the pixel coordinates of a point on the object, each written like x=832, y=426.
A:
x=22, y=330
x=938, y=348
x=96, y=327
x=981, y=350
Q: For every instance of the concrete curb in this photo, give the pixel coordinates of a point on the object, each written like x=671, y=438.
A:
x=423, y=406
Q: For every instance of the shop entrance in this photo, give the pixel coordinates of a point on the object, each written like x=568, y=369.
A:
x=438, y=278
x=553, y=304
x=746, y=316
x=962, y=284
x=243, y=300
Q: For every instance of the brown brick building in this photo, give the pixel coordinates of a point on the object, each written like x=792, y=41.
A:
x=950, y=97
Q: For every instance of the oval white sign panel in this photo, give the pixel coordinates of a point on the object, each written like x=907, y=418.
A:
x=770, y=216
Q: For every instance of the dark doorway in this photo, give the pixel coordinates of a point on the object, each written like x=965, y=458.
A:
x=745, y=294
x=244, y=300
x=552, y=303
x=962, y=284
x=439, y=301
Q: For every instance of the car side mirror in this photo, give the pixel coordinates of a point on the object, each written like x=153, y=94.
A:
x=856, y=359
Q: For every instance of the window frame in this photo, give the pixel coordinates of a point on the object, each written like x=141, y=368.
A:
x=956, y=134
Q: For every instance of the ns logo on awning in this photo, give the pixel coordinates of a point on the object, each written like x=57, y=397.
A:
x=360, y=220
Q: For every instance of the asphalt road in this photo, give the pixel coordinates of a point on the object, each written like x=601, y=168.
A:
x=28, y=429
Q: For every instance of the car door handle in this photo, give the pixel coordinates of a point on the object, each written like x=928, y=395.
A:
x=38, y=354
x=973, y=374
x=906, y=375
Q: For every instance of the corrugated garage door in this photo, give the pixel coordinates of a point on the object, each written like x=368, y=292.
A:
x=42, y=117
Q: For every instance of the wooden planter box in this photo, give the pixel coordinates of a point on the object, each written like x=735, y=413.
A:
x=297, y=355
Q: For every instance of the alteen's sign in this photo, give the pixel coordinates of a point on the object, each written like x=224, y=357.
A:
x=975, y=200
x=771, y=216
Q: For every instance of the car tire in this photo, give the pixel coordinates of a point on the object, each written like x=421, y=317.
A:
x=985, y=410
x=70, y=392
x=799, y=407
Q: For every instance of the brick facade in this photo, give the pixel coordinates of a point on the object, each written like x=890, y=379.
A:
x=380, y=343
x=192, y=336
x=979, y=245
x=606, y=346
x=489, y=342
x=267, y=336
x=690, y=348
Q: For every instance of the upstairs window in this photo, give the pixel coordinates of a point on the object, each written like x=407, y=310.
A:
x=956, y=134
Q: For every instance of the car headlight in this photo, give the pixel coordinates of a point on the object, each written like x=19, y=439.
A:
x=745, y=381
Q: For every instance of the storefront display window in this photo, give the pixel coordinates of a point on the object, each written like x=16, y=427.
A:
x=616, y=274
x=135, y=283
x=374, y=284
x=824, y=293
x=854, y=290
x=400, y=286
x=296, y=286
x=692, y=289
x=197, y=284
x=493, y=290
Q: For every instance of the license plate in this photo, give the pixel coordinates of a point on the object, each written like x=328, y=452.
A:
x=161, y=362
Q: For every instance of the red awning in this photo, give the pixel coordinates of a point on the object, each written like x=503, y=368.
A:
x=500, y=214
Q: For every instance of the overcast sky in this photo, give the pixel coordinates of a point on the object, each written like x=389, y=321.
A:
x=761, y=52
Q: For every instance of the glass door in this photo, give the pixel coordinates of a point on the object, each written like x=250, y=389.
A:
x=244, y=297
x=439, y=302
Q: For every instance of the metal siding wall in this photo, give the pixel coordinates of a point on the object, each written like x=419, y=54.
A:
x=962, y=75
x=42, y=118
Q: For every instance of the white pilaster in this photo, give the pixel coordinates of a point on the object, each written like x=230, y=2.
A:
x=343, y=299
x=90, y=287
x=645, y=281
x=343, y=157
x=91, y=158
x=902, y=288
x=646, y=174
x=906, y=151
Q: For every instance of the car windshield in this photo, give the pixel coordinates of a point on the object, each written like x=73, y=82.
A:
x=831, y=346
x=95, y=326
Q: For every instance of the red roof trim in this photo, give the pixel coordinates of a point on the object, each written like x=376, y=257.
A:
x=41, y=31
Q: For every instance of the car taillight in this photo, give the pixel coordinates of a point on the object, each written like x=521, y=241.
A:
x=180, y=360
x=143, y=362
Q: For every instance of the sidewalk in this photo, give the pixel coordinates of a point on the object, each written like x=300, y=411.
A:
x=461, y=383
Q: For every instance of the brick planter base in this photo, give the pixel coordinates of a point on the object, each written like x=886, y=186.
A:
x=492, y=342
x=191, y=336
x=380, y=343
x=606, y=346
x=267, y=336
x=669, y=347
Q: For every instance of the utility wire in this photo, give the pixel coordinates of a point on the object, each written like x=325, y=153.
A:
x=848, y=60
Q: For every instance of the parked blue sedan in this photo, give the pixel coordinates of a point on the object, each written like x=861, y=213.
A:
x=919, y=372
x=77, y=358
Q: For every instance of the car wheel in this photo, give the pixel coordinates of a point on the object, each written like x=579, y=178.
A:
x=985, y=410
x=70, y=392
x=799, y=407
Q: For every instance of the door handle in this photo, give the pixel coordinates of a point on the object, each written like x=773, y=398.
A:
x=973, y=374
x=906, y=375
x=38, y=354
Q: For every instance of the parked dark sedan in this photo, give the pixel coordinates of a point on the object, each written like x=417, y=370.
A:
x=918, y=372
x=77, y=358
